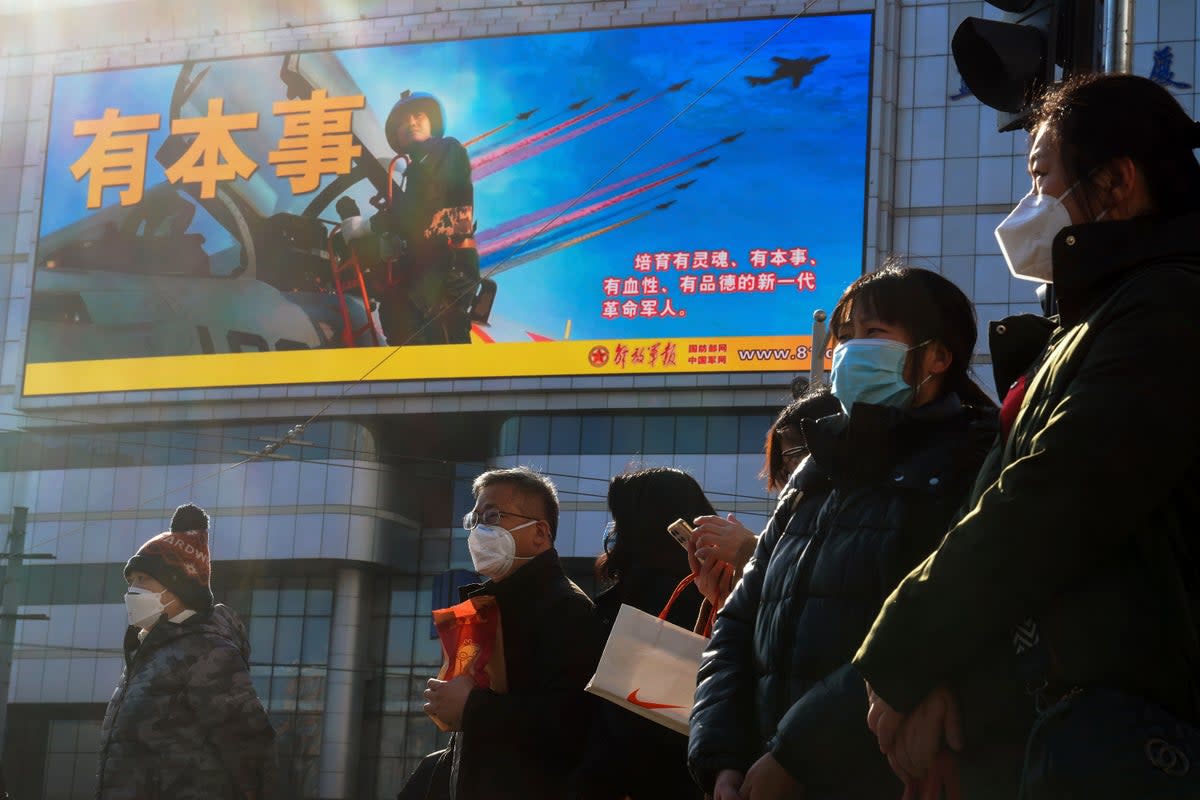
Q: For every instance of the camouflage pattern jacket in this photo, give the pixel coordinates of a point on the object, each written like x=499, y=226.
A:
x=185, y=722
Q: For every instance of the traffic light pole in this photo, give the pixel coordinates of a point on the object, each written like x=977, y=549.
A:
x=1118, y=35
x=816, y=352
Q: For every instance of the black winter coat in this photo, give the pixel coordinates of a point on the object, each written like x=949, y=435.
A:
x=628, y=755
x=875, y=497
x=1082, y=521
x=523, y=745
x=185, y=722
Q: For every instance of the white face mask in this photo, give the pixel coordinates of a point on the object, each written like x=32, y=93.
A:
x=1026, y=235
x=493, y=549
x=143, y=606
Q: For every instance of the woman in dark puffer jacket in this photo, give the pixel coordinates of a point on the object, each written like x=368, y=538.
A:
x=779, y=709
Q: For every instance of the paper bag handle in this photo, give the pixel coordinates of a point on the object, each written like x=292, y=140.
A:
x=683, y=584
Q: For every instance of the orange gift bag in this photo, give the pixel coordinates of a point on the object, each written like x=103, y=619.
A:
x=472, y=644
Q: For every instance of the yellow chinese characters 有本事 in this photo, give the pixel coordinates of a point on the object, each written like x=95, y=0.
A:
x=212, y=155
x=317, y=139
x=116, y=158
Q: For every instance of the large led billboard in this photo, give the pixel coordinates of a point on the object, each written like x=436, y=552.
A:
x=673, y=198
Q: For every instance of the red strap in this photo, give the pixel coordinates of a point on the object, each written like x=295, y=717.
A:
x=1012, y=405
x=683, y=584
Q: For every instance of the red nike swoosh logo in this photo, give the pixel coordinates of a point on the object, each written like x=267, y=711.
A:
x=633, y=698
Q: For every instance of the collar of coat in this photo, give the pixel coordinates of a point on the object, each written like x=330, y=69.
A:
x=874, y=443
x=1090, y=259
x=527, y=581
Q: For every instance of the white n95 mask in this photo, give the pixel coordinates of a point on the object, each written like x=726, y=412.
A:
x=1026, y=235
x=493, y=549
x=143, y=606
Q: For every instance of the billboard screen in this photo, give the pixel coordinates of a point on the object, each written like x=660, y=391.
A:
x=675, y=198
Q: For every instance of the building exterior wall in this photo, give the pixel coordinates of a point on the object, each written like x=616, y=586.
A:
x=344, y=533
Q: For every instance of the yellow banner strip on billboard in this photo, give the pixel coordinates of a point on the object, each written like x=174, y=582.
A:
x=429, y=362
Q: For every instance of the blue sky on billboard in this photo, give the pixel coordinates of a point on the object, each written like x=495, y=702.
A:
x=773, y=163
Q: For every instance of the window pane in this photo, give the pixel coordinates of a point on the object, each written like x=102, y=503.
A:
x=320, y=597
x=660, y=435
x=262, y=640
x=689, y=434
x=261, y=678
x=535, y=435
x=507, y=444
x=595, y=435
x=753, y=431
x=265, y=600
x=316, y=640
x=312, y=693
x=404, y=597
x=723, y=434
x=564, y=435
x=287, y=640
x=284, y=689
x=400, y=640
x=395, y=693
x=627, y=435
x=291, y=597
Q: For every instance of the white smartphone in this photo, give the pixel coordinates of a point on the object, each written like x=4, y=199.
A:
x=680, y=531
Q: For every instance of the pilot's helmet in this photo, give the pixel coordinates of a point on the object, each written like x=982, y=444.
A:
x=409, y=103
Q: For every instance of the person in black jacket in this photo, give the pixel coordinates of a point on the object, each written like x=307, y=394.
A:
x=521, y=745
x=720, y=548
x=628, y=756
x=779, y=709
x=1074, y=573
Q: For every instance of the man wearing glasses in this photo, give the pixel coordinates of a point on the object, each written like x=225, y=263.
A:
x=525, y=743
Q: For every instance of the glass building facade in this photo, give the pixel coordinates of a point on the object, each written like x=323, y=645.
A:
x=334, y=551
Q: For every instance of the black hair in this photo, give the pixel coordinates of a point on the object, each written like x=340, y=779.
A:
x=926, y=305
x=814, y=403
x=1097, y=118
x=642, y=504
x=528, y=482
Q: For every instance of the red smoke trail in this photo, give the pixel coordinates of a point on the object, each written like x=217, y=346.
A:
x=534, y=138
x=496, y=164
x=534, y=255
x=486, y=134
x=513, y=238
x=533, y=216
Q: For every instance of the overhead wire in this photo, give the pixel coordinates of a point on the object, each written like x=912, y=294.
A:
x=383, y=460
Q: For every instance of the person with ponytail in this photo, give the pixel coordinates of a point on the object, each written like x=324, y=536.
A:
x=779, y=708
x=1073, y=574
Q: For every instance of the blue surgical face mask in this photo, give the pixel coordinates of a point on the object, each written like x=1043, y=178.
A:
x=872, y=371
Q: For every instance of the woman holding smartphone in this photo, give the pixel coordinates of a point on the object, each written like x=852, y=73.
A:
x=628, y=756
x=779, y=708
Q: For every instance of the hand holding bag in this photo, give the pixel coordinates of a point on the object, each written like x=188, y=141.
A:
x=649, y=665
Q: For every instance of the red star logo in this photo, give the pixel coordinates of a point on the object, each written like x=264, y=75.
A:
x=598, y=356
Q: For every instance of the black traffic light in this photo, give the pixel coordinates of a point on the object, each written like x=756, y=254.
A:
x=1007, y=63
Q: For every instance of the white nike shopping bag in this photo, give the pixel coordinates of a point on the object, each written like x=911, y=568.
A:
x=649, y=667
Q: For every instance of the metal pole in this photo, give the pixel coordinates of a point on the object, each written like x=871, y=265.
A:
x=1118, y=35
x=14, y=590
x=816, y=353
